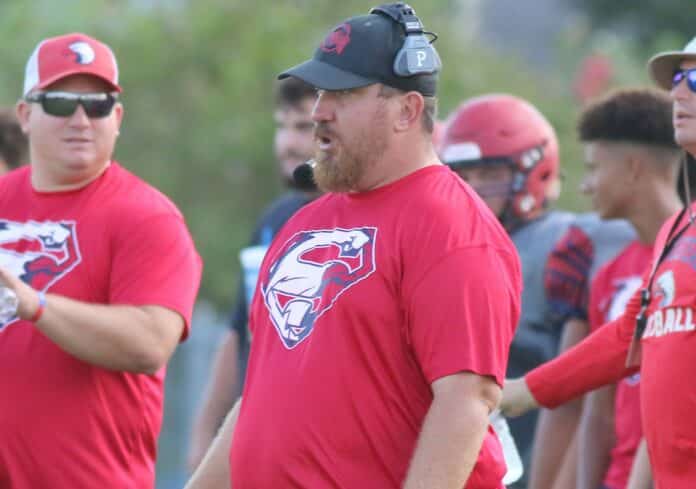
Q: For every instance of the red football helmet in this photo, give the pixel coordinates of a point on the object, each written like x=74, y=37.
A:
x=504, y=129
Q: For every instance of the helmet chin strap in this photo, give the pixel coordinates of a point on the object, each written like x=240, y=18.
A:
x=509, y=216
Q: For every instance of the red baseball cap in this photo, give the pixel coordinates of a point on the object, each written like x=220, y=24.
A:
x=72, y=54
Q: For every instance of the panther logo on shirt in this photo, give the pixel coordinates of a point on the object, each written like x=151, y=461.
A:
x=40, y=253
x=311, y=272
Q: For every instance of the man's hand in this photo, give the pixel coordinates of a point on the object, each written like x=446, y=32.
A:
x=214, y=471
x=28, y=297
x=517, y=398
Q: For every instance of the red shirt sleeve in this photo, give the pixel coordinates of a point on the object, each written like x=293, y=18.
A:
x=598, y=360
x=463, y=313
x=154, y=262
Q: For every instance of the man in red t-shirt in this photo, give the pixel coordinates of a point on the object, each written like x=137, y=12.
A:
x=105, y=274
x=385, y=308
x=656, y=333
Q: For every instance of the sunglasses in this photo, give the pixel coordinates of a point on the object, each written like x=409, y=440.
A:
x=64, y=104
x=690, y=76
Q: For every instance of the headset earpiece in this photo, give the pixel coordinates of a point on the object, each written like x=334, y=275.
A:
x=416, y=56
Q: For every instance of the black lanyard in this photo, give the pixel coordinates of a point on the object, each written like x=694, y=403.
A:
x=645, y=295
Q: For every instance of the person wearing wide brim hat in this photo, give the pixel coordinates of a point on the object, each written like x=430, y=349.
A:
x=656, y=335
x=663, y=65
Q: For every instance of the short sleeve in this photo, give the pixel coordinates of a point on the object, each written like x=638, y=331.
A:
x=154, y=262
x=567, y=275
x=463, y=313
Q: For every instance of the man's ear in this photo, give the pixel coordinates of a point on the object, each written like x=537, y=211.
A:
x=636, y=168
x=118, y=112
x=23, y=112
x=411, y=109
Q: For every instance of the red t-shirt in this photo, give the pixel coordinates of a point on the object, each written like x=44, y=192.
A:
x=65, y=423
x=363, y=301
x=668, y=395
x=612, y=287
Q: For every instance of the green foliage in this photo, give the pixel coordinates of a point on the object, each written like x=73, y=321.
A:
x=197, y=80
x=647, y=21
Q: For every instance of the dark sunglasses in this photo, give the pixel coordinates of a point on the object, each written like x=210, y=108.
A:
x=64, y=104
x=690, y=76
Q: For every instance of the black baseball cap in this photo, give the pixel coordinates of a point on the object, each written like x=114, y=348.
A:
x=359, y=52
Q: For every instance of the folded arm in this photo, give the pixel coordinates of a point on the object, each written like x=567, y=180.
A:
x=137, y=339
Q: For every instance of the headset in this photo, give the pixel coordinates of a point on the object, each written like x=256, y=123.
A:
x=417, y=56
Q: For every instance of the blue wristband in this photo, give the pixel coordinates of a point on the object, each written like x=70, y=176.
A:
x=42, y=305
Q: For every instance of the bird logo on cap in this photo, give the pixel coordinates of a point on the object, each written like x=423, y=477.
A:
x=337, y=40
x=83, y=51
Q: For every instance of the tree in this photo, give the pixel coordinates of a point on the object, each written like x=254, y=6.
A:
x=648, y=20
x=198, y=77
